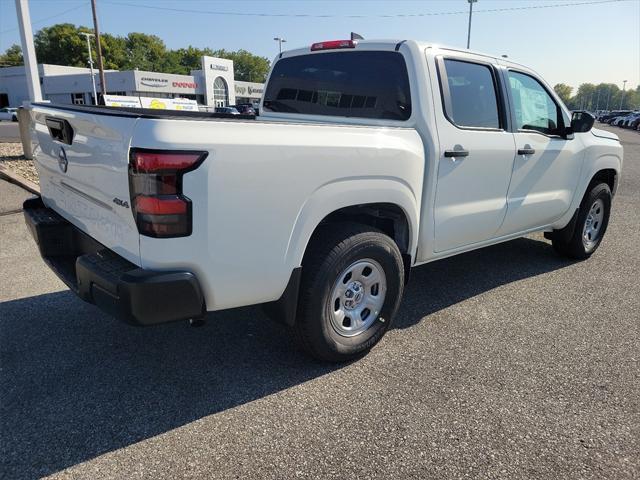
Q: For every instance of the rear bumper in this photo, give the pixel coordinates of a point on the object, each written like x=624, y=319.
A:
x=105, y=279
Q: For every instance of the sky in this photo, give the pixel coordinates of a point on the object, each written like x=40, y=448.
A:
x=571, y=44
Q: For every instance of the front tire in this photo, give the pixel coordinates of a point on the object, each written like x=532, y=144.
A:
x=590, y=227
x=352, y=284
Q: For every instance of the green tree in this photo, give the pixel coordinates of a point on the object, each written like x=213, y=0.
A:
x=62, y=44
x=564, y=92
x=11, y=57
x=144, y=52
x=114, y=51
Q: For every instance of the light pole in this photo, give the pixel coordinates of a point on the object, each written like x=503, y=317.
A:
x=624, y=84
x=280, y=41
x=93, y=78
x=103, y=83
x=471, y=2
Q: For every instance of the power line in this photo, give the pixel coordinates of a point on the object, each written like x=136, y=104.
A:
x=395, y=15
x=40, y=20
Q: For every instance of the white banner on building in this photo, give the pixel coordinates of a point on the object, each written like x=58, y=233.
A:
x=122, y=101
x=169, y=103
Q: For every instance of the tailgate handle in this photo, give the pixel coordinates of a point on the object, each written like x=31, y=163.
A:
x=60, y=130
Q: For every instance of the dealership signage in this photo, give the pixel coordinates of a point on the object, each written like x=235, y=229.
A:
x=154, y=82
x=165, y=82
x=249, y=89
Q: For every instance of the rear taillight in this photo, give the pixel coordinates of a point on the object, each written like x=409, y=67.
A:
x=333, y=44
x=155, y=181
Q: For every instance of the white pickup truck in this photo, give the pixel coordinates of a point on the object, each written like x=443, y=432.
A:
x=368, y=159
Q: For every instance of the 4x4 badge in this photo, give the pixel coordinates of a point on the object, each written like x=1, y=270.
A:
x=121, y=203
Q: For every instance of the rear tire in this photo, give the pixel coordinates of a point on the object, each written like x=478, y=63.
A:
x=590, y=227
x=352, y=284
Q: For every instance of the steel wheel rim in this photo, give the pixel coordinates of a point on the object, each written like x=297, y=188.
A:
x=357, y=297
x=593, y=224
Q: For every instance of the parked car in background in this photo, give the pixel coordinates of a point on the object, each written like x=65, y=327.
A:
x=368, y=158
x=622, y=120
x=631, y=120
x=606, y=118
x=229, y=110
x=8, y=113
x=245, y=108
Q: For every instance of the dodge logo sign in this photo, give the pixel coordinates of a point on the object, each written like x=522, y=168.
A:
x=63, y=163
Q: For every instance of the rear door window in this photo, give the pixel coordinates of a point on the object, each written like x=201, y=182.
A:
x=472, y=100
x=346, y=84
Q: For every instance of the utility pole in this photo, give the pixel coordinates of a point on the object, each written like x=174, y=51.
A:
x=471, y=2
x=280, y=41
x=624, y=85
x=28, y=51
x=608, y=98
x=96, y=29
x=598, y=99
x=93, y=78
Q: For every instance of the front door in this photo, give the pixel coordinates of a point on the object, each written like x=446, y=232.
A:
x=546, y=166
x=476, y=154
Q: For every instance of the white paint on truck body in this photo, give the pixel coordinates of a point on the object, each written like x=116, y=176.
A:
x=266, y=184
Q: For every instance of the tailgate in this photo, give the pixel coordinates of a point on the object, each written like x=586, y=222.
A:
x=82, y=161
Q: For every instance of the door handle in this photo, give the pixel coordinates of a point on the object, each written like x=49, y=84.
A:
x=526, y=151
x=456, y=153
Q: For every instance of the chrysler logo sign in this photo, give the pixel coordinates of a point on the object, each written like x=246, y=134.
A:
x=63, y=163
x=154, y=82
x=222, y=68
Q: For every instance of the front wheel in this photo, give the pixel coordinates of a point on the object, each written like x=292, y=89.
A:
x=352, y=283
x=591, y=225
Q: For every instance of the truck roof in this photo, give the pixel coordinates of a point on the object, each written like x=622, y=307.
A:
x=392, y=44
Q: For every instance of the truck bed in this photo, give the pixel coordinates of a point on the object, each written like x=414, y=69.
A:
x=144, y=112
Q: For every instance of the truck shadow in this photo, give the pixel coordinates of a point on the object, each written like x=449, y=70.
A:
x=75, y=384
x=439, y=284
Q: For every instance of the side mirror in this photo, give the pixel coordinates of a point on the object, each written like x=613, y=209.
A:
x=581, y=121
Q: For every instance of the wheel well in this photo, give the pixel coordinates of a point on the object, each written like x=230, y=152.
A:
x=386, y=217
x=607, y=176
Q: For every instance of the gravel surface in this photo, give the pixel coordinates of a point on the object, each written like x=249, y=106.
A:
x=12, y=157
x=508, y=362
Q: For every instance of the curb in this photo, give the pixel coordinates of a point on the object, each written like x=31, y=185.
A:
x=19, y=180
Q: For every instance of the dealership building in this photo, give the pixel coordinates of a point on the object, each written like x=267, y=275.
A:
x=212, y=86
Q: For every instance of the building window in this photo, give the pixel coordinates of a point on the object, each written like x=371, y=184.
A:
x=220, y=92
x=77, y=98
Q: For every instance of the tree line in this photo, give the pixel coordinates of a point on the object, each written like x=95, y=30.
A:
x=62, y=44
x=604, y=96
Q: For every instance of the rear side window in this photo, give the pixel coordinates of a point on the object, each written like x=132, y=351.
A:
x=472, y=100
x=347, y=84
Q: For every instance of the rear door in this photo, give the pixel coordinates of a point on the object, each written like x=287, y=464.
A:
x=82, y=162
x=547, y=166
x=476, y=153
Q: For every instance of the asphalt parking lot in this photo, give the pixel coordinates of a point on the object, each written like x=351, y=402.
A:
x=508, y=362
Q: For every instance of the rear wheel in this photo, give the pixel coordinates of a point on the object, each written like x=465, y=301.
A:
x=352, y=283
x=591, y=225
